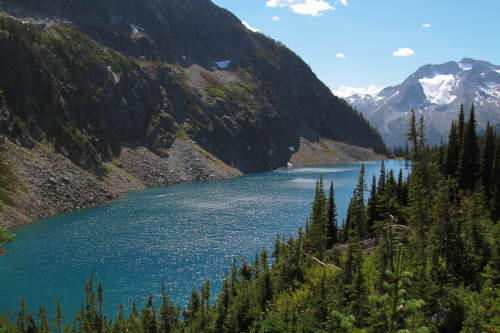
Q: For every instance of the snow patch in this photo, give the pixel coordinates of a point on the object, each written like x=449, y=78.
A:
x=291, y=148
x=465, y=67
x=134, y=28
x=491, y=84
x=222, y=64
x=344, y=91
x=437, y=89
x=495, y=70
x=184, y=57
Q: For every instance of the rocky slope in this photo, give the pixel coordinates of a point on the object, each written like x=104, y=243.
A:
x=99, y=98
x=436, y=92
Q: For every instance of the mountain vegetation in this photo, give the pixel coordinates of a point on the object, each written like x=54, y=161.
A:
x=418, y=254
x=145, y=93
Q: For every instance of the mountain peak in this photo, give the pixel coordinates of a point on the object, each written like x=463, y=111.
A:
x=436, y=91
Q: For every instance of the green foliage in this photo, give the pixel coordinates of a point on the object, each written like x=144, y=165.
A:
x=451, y=267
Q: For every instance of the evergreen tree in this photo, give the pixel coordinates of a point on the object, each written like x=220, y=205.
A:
x=452, y=152
x=57, y=322
x=31, y=326
x=332, y=226
x=460, y=127
x=44, y=324
x=356, y=212
x=148, y=316
x=168, y=320
x=316, y=236
x=487, y=161
x=468, y=164
x=396, y=308
x=21, y=316
x=371, y=207
x=100, y=299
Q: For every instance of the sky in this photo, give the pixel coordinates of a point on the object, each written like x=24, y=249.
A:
x=357, y=46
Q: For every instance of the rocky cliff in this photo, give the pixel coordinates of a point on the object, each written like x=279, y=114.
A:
x=103, y=97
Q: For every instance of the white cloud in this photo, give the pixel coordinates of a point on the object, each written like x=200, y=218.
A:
x=344, y=91
x=341, y=55
x=249, y=27
x=344, y=2
x=403, y=52
x=427, y=25
x=275, y=18
x=305, y=7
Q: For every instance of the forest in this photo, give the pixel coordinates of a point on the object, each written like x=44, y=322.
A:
x=414, y=254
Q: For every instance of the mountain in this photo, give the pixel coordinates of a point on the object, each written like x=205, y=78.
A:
x=102, y=97
x=436, y=92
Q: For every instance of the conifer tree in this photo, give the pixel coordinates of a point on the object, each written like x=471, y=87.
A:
x=168, y=320
x=57, y=322
x=487, y=161
x=31, y=326
x=44, y=324
x=21, y=316
x=396, y=308
x=316, y=236
x=100, y=299
x=356, y=212
x=148, y=316
x=468, y=164
x=460, y=127
x=452, y=152
x=371, y=207
x=333, y=229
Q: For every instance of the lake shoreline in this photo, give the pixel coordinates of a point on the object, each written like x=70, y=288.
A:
x=46, y=184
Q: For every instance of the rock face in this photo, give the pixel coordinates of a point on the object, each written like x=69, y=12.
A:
x=127, y=95
x=436, y=92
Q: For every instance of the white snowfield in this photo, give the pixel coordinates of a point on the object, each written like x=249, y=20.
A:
x=465, y=67
x=438, y=88
x=222, y=64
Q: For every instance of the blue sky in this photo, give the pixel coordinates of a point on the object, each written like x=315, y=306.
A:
x=363, y=43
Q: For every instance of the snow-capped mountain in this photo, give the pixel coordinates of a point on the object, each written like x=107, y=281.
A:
x=435, y=91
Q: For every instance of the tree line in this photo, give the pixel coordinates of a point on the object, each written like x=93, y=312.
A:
x=414, y=254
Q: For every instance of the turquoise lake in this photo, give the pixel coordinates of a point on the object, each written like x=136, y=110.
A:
x=181, y=235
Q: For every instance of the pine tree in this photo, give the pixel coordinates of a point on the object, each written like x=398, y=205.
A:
x=316, y=236
x=396, y=308
x=44, y=324
x=100, y=299
x=468, y=164
x=356, y=212
x=168, y=320
x=333, y=229
x=148, y=316
x=460, y=127
x=371, y=207
x=487, y=160
x=452, y=152
x=58, y=317
x=21, y=316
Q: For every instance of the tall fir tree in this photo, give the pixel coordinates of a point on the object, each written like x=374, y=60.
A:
x=333, y=229
x=58, y=318
x=487, y=162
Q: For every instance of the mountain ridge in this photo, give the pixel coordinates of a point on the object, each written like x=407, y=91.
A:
x=437, y=92
x=104, y=91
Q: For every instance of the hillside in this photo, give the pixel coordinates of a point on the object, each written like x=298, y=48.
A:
x=435, y=91
x=100, y=98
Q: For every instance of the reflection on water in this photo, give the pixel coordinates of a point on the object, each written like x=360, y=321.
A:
x=180, y=235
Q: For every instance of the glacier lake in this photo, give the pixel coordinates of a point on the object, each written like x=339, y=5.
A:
x=180, y=235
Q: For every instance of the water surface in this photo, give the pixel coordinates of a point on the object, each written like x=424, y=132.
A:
x=181, y=235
